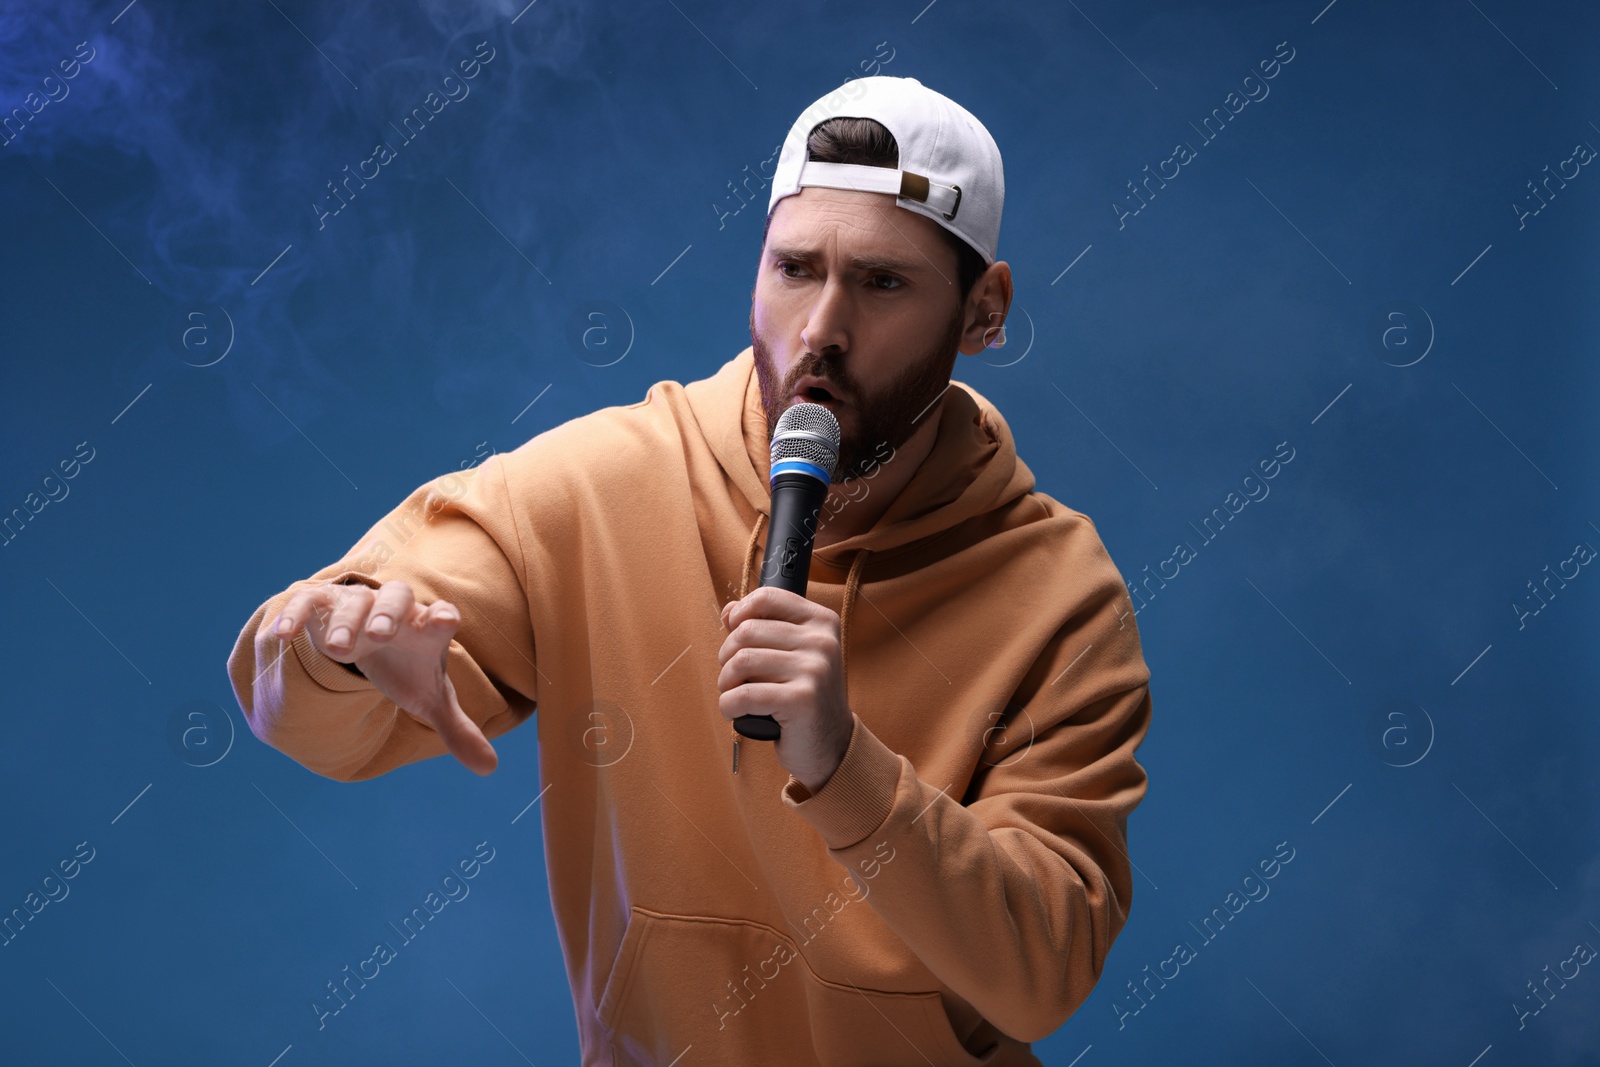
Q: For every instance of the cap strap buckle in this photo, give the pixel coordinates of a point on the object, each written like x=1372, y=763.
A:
x=946, y=199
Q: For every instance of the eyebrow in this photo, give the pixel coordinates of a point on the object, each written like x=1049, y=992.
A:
x=862, y=263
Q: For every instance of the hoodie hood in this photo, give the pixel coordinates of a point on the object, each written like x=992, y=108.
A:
x=972, y=469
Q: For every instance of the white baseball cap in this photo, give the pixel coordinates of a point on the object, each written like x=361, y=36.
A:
x=949, y=168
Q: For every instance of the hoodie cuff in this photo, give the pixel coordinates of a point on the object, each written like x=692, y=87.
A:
x=324, y=670
x=857, y=799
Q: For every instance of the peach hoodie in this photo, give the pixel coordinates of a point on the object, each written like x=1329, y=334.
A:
x=949, y=895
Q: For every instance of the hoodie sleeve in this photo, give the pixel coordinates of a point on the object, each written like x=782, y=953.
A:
x=453, y=538
x=1012, y=895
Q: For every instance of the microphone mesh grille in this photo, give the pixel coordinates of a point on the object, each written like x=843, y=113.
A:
x=809, y=432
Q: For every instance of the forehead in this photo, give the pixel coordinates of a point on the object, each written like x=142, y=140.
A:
x=844, y=224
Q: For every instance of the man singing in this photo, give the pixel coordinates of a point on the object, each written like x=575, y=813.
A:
x=930, y=865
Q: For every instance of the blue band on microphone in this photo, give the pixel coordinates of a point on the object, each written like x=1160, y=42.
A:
x=803, y=466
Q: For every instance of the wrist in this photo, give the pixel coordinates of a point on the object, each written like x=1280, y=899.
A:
x=824, y=777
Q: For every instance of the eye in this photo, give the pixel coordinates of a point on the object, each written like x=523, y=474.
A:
x=783, y=263
x=898, y=283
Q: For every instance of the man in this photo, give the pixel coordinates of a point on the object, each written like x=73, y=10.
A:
x=930, y=865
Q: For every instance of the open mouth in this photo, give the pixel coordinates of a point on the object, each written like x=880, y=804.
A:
x=817, y=394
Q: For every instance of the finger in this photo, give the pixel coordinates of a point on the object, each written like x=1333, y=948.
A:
x=299, y=608
x=771, y=602
x=427, y=629
x=757, y=665
x=761, y=633
x=757, y=698
x=439, y=621
x=461, y=736
x=392, y=604
x=344, y=625
x=329, y=597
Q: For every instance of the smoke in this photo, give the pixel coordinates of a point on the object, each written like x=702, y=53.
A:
x=205, y=142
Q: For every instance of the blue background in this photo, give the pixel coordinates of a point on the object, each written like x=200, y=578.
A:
x=1342, y=669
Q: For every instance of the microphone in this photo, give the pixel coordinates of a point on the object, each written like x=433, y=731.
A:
x=805, y=451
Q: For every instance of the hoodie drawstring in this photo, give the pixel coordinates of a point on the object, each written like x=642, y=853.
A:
x=851, y=585
x=750, y=555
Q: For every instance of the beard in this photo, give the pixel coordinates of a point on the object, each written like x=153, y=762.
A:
x=871, y=427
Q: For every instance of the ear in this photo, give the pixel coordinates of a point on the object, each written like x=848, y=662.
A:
x=987, y=306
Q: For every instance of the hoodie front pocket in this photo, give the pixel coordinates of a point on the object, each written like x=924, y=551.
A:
x=710, y=984
x=855, y=1027
x=739, y=992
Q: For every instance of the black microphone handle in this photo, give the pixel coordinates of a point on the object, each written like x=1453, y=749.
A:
x=796, y=500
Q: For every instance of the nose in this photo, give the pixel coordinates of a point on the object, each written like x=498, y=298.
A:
x=828, y=325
